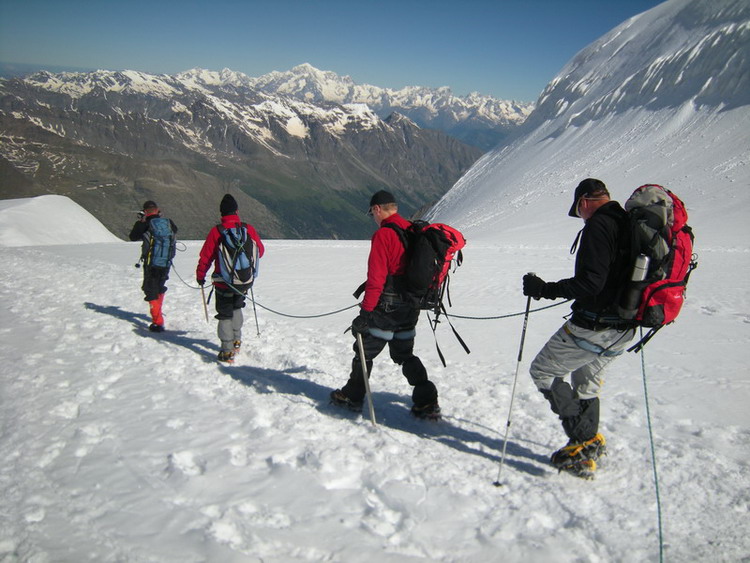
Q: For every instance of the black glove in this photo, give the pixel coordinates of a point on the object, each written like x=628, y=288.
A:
x=200, y=282
x=533, y=286
x=536, y=287
x=361, y=323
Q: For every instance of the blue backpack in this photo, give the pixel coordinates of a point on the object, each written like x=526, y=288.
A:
x=237, y=257
x=161, y=243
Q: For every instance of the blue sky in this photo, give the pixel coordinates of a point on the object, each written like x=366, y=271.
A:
x=509, y=49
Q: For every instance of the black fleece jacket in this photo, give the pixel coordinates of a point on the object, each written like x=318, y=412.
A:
x=601, y=263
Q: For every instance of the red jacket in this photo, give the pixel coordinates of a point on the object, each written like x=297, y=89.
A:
x=387, y=257
x=209, y=252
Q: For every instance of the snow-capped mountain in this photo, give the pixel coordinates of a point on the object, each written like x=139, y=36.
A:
x=664, y=93
x=111, y=139
x=475, y=119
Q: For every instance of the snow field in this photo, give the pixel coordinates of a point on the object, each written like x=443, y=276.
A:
x=124, y=445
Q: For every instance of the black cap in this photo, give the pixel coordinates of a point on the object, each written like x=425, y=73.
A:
x=149, y=205
x=228, y=205
x=587, y=188
x=381, y=198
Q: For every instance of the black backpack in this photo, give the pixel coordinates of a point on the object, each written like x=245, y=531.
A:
x=430, y=249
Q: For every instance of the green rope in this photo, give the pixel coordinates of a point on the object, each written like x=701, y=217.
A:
x=653, y=456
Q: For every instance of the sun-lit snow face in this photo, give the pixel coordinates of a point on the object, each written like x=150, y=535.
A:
x=654, y=100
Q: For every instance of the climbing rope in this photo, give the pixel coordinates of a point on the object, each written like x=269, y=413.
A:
x=307, y=316
x=653, y=455
x=451, y=315
x=509, y=315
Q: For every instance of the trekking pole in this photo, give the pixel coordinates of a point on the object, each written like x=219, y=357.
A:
x=366, y=377
x=255, y=311
x=205, y=307
x=497, y=482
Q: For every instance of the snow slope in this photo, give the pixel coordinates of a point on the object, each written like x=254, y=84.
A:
x=64, y=222
x=663, y=98
x=121, y=445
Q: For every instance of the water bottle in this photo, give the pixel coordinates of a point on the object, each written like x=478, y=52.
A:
x=629, y=305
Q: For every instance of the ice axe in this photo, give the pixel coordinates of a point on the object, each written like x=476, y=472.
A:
x=366, y=377
x=205, y=307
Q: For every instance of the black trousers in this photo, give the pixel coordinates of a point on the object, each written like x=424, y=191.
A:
x=401, y=320
x=154, y=281
x=226, y=302
x=579, y=417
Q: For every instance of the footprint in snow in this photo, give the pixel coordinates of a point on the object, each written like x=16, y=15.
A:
x=185, y=462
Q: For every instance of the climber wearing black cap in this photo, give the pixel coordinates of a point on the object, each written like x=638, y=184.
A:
x=230, y=296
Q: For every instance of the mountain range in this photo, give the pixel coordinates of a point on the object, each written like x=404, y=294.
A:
x=300, y=166
x=478, y=120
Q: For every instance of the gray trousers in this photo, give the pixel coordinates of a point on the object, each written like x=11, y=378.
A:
x=230, y=330
x=565, y=353
x=229, y=306
x=583, y=354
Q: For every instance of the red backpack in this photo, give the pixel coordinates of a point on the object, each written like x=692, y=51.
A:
x=661, y=246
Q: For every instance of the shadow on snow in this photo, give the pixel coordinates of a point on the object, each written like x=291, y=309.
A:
x=206, y=349
x=392, y=410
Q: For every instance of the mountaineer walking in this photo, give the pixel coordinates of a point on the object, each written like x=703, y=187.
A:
x=157, y=251
x=234, y=248
x=594, y=335
x=386, y=316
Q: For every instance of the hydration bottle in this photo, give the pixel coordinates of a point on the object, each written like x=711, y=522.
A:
x=629, y=305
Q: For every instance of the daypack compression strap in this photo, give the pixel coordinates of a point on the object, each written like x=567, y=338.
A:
x=638, y=346
x=433, y=326
x=455, y=332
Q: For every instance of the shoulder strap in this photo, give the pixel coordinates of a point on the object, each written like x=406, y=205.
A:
x=400, y=231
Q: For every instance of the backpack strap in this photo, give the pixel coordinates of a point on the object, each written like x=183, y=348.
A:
x=360, y=290
x=223, y=232
x=401, y=232
x=433, y=326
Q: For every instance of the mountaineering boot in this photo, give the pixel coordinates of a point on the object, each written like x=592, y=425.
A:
x=153, y=327
x=579, y=458
x=339, y=399
x=430, y=411
x=237, y=345
x=226, y=356
x=585, y=468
